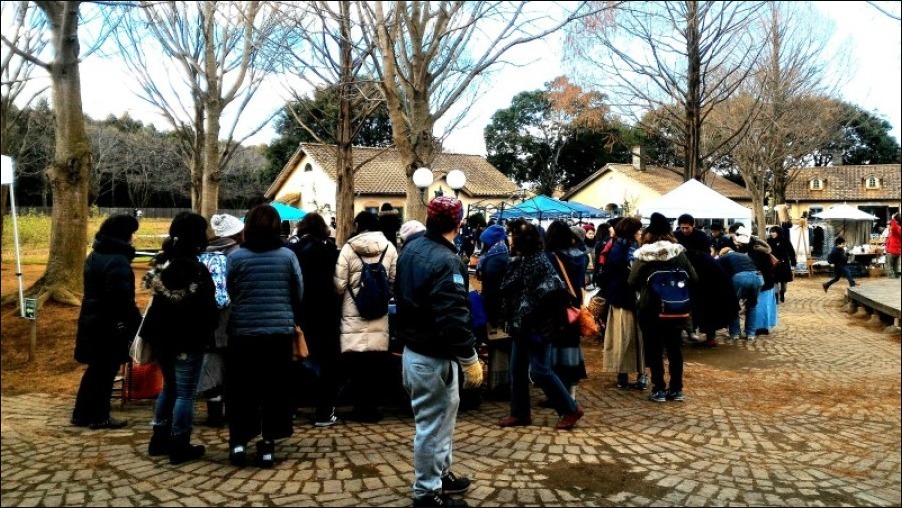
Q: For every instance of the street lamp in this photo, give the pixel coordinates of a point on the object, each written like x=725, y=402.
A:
x=456, y=180
x=422, y=178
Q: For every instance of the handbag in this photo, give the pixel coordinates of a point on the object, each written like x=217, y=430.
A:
x=140, y=349
x=774, y=261
x=299, y=349
x=572, y=311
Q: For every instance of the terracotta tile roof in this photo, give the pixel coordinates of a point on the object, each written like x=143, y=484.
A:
x=847, y=183
x=663, y=180
x=383, y=173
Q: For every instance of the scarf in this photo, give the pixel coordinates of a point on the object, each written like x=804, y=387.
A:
x=529, y=279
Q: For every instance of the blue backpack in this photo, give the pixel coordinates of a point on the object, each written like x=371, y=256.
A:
x=670, y=288
x=373, y=291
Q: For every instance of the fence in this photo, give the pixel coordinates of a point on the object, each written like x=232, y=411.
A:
x=159, y=213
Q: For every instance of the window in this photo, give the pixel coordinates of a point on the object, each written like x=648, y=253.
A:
x=872, y=182
x=816, y=184
x=815, y=209
x=308, y=167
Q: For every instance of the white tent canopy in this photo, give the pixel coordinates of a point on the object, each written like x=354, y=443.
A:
x=849, y=222
x=844, y=211
x=699, y=201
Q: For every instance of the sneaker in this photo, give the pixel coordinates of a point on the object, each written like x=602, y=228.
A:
x=451, y=484
x=825, y=286
x=623, y=380
x=109, y=423
x=641, y=382
x=328, y=422
x=751, y=338
x=569, y=420
x=675, y=396
x=694, y=336
x=78, y=422
x=437, y=500
x=733, y=338
x=658, y=396
x=515, y=421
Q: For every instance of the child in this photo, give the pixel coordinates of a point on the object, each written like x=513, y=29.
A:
x=839, y=259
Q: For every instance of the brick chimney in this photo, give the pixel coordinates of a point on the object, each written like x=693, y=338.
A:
x=638, y=158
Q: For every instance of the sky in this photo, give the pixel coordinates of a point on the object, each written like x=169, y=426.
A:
x=874, y=79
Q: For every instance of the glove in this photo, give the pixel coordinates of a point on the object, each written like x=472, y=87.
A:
x=472, y=370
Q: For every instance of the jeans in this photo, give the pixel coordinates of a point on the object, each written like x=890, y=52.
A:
x=533, y=358
x=434, y=398
x=92, y=404
x=175, y=404
x=841, y=271
x=659, y=337
x=892, y=265
x=747, y=286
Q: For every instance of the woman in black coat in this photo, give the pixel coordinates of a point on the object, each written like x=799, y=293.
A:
x=320, y=311
x=781, y=248
x=107, y=321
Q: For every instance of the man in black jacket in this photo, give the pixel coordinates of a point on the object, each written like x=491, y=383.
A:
x=433, y=321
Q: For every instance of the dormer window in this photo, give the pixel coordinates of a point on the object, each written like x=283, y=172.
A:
x=308, y=167
x=816, y=184
x=872, y=182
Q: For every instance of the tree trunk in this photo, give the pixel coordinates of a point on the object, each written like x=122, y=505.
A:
x=68, y=174
x=212, y=172
x=693, y=122
x=344, y=202
x=4, y=195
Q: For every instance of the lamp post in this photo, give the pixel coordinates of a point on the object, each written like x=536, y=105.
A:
x=456, y=180
x=422, y=178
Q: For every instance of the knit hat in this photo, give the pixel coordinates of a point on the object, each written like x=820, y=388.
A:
x=120, y=226
x=579, y=232
x=658, y=225
x=743, y=235
x=492, y=235
x=411, y=227
x=444, y=213
x=225, y=225
x=589, y=227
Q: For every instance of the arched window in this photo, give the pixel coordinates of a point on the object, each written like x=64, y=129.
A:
x=816, y=184
x=872, y=182
x=308, y=167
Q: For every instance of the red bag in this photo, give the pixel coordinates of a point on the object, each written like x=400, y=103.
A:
x=142, y=381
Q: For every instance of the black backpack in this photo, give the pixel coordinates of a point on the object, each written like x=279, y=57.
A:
x=670, y=289
x=373, y=291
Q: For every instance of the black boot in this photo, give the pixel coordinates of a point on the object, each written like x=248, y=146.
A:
x=266, y=453
x=181, y=450
x=159, y=441
x=214, y=414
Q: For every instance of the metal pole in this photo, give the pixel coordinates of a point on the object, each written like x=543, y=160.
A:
x=12, y=206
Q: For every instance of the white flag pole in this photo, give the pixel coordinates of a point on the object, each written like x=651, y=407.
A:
x=8, y=170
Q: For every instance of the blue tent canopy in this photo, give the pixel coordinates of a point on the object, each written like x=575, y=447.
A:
x=544, y=207
x=288, y=212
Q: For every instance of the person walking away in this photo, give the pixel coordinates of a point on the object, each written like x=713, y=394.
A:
x=782, y=249
x=569, y=261
x=534, y=299
x=229, y=234
x=320, y=312
x=661, y=325
x=434, y=323
x=179, y=326
x=266, y=288
x=364, y=340
x=107, y=320
x=389, y=223
x=839, y=258
x=893, y=247
x=623, y=348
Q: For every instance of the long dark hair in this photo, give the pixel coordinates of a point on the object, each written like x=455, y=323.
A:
x=559, y=236
x=314, y=225
x=525, y=238
x=262, y=229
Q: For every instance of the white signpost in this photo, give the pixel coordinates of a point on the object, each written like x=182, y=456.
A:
x=7, y=170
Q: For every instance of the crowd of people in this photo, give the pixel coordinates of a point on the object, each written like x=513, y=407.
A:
x=229, y=317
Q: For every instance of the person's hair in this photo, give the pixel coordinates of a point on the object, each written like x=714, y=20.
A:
x=386, y=207
x=777, y=229
x=187, y=236
x=366, y=221
x=627, y=227
x=685, y=219
x=839, y=241
x=649, y=237
x=716, y=226
x=262, y=229
x=314, y=225
x=525, y=238
x=559, y=236
x=121, y=226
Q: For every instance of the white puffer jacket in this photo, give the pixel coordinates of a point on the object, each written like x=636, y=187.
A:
x=358, y=334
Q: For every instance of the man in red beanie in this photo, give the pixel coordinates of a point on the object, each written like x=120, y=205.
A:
x=433, y=321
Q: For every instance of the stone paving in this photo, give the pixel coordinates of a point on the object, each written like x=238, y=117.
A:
x=806, y=416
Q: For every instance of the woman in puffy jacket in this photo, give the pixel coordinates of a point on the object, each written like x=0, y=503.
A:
x=265, y=285
x=364, y=342
x=107, y=321
x=179, y=327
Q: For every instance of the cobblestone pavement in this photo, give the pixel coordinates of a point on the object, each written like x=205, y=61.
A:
x=808, y=415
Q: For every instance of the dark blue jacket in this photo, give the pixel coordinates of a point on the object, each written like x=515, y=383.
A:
x=431, y=291
x=266, y=290
x=614, y=285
